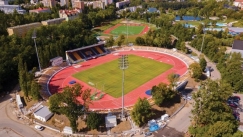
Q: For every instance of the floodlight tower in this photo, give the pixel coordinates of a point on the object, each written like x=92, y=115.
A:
x=123, y=64
x=34, y=37
x=127, y=31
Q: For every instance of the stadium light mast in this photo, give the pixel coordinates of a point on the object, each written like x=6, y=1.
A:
x=127, y=32
x=34, y=37
x=123, y=64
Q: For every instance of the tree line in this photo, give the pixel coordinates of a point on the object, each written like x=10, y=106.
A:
x=51, y=40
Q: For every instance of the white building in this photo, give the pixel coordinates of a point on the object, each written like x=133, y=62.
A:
x=110, y=121
x=122, y=3
x=67, y=130
x=43, y=114
x=19, y=102
x=10, y=9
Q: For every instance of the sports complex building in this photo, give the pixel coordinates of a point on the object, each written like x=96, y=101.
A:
x=92, y=67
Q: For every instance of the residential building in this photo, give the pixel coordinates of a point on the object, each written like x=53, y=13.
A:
x=33, y=1
x=49, y=3
x=69, y=14
x=64, y=3
x=238, y=3
x=79, y=4
x=40, y=10
x=53, y=21
x=107, y=2
x=237, y=47
x=122, y=3
x=21, y=30
x=11, y=8
x=43, y=114
x=98, y=4
x=3, y=2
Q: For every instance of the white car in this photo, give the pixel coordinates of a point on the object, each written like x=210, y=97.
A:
x=37, y=127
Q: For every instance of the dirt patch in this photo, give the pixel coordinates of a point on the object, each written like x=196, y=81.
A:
x=58, y=121
x=170, y=109
x=123, y=126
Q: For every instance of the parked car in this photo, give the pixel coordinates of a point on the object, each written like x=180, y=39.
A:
x=232, y=104
x=234, y=99
x=148, y=134
x=38, y=127
x=237, y=116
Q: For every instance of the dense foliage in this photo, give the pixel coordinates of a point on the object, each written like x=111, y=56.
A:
x=141, y=112
x=231, y=71
x=66, y=103
x=212, y=117
x=162, y=93
x=93, y=121
x=195, y=70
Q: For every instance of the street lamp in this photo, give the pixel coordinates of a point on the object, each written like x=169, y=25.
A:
x=34, y=37
x=123, y=64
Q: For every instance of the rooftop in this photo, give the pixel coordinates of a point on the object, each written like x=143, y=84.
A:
x=238, y=44
x=43, y=112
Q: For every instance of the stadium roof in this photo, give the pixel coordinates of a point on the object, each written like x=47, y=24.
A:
x=73, y=50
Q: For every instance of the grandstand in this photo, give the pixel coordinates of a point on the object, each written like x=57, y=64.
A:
x=86, y=53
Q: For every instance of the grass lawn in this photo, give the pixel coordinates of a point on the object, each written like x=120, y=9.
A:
x=132, y=30
x=108, y=77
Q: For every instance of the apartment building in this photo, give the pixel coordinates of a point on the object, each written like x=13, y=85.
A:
x=122, y=3
x=98, y=4
x=40, y=10
x=21, y=30
x=69, y=14
x=53, y=21
x=78, y=4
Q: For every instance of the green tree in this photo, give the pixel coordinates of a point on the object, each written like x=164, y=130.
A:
x=173, y=79
x=140, y=41
x=66, y=103
x=35, y=90
x=232, y=72
x=195, y=70
x=203, y=63
x=211, y=115
x=110, y=41
x=141, y=111
x=120, y=40
x=162, y=93
x=93, y=121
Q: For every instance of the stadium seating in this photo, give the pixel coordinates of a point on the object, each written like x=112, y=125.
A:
x=86, y=53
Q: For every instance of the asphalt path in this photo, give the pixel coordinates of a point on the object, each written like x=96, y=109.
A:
x=181, y=121
x=20, y=128
x=215, y=74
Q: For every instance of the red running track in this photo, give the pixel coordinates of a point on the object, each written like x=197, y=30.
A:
x=62, y=79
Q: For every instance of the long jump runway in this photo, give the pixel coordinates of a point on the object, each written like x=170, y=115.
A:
x=62, y=79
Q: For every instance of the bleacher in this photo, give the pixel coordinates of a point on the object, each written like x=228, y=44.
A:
x=86, y=53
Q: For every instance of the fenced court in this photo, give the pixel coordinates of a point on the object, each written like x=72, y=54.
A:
x=127, y=29
x=107, y=77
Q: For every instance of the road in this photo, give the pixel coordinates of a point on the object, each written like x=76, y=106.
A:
x=181, y=121
x=10, y=125
x=215, y=74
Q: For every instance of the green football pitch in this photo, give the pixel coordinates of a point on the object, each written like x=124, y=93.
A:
x=108, y=76
x=131, y=30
